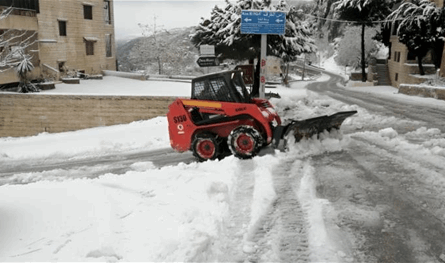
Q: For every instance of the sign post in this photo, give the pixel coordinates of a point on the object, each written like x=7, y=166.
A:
x=263, y=66
x=207, y=61
x=263, y=23
x=207, y=50
x=207, y=56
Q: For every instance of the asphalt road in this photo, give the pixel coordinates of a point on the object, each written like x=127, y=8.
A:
x=429, y=116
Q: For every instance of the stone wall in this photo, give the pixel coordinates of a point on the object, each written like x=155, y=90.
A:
x=128, y=75
x=31, y=114
x=429, y=92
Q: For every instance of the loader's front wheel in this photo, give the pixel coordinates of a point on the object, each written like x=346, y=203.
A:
x=204, y=147
x=245, y=142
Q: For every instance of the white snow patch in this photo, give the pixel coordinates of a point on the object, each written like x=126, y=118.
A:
x=388, y=133
x=322, y=248
x=140, y=135
x=152, y=215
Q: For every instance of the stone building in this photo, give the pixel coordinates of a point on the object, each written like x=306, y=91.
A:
x=63, y=36
x=403, y=67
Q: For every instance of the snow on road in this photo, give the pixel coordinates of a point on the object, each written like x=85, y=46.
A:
x=303, y=205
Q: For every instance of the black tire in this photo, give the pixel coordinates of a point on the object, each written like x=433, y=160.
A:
x=205, y=147
x=245, y=142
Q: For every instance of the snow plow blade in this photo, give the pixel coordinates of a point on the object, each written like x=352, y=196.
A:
x=307, y=128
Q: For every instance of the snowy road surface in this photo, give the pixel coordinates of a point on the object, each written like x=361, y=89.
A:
x=374, y=192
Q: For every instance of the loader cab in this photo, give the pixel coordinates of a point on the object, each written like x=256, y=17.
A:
x=227, y=86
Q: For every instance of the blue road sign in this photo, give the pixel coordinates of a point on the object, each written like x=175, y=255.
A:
x=263, y=22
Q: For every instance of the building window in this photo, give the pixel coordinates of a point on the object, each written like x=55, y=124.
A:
x=397, y=77
x=62, y=28
x=88, y=12
x=107, y=11
x=108, y=45
x=390, y=52
x=397, y=56
x=89, y=47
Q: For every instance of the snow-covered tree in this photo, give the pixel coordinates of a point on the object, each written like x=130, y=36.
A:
x=15, y=48
x=421, y=27
x=152, y=46
x=223, y=30
x=5, y=13
x=363, y=13
x=23, y=68
x=348, y=50
x=324, y=19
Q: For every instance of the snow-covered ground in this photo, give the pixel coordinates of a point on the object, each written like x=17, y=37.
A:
x=173, y=213
x=111, y=85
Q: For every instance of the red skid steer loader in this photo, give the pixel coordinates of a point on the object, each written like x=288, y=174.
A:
x=221, y=119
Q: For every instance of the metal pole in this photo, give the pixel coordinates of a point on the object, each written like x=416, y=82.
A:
x=263, y=66
x=304, y=66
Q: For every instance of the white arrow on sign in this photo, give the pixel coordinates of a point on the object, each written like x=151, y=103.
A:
x=247, y=19
x=278, y=20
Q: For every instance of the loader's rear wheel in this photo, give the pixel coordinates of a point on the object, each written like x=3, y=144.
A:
x=245, y=142
x=204, y=147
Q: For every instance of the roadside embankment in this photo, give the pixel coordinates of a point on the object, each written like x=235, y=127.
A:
x=422, y=91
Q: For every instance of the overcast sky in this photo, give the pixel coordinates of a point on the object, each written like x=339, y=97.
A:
x=170, y=14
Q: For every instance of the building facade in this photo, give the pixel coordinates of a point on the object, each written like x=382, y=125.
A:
x=70, y=36
x=403, y=66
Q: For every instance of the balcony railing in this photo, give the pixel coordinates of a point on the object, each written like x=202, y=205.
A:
x=21, y=5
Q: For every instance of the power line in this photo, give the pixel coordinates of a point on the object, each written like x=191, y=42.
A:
x=350, y=21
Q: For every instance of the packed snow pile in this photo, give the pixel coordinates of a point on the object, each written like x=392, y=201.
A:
x=89, y=142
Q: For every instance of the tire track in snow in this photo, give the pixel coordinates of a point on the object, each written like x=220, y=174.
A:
x=230, y=246
x=292, y=239
x=418, y=175
x=390, y=202
x=18, y=172
x=280, y=233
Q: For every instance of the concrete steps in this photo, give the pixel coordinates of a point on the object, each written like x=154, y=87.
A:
x=382, y=73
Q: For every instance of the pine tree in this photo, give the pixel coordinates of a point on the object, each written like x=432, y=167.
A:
x=363, y=13
x=223, y=30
